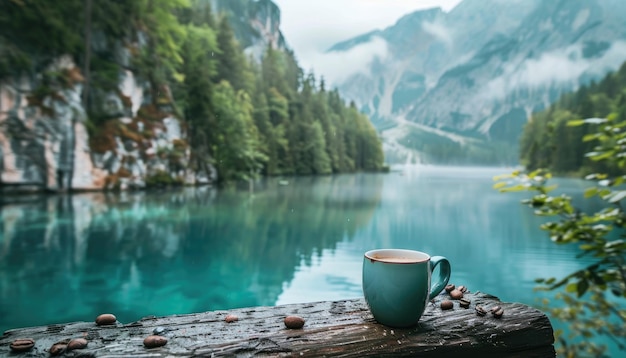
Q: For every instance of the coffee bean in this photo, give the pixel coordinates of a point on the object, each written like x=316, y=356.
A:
x=456, y=294
x=22, y=344
x=450, y=287
x=498, y=313
x=77, y=343
x=494, y=308
x=446, y=305
x=154, y=341
x=105, y=319
x=465, y=302
x=231, y=318
x=480, y=311
x=294, y=322
x=57, y=348
x=462, y=288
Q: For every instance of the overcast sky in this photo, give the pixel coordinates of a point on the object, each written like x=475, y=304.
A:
x=312, y=26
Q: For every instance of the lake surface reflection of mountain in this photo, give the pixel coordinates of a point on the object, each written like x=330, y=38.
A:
x=71, y=257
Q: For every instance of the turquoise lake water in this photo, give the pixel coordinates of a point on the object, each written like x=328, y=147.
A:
x=71, y=257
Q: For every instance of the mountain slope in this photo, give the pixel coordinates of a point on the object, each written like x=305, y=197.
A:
x=479, y=71
x=256, y=23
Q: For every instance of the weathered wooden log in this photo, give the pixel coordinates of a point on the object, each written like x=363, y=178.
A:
x=332, y=329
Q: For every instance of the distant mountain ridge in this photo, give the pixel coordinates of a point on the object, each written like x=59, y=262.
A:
x=457, y=87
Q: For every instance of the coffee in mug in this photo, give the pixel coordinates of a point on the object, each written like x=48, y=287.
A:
x=397, y=284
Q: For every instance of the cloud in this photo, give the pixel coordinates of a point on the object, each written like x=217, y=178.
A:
x=311, y=27
x=338, y=66
x=561, y=66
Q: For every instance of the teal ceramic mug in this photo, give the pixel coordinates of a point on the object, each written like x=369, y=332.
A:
x=397, y=284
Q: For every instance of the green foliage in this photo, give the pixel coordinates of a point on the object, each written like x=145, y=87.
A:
x=306, y=129
x=546, y=141
x=273, y=72
x=246, y=117
x=232, y=64
x=593, y=297
x=236, y=148
x=161, y=179
x=320, y=160
x=250, y=118
x=194, y=94
x=160, y=57
x=198, y=14
x=37, y=30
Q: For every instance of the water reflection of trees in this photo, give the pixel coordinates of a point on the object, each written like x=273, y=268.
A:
x=71, y=257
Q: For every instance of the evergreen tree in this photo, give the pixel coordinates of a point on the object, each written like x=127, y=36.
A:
x=548, y=142
x=272, y=71
x=243, y=117
x=320, y=160
x=198, y=14
x=160, y=57
x=232, y=63
x=278, y=107
x=236, y=148
x=195, y=94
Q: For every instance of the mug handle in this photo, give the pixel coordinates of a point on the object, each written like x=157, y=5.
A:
x=444, y=275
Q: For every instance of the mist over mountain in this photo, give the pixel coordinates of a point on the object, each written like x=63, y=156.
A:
x=457, y=87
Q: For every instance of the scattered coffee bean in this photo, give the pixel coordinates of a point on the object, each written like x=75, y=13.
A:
x=231, y=318
x=450, y=287
x=480, y=311
x=498, y=313
x=446, y=305
x=77, y=343
x=456, y=294
x=294, y=322
x=105, y=319
x=22, y=344
x=494, y=308
x=154, y=341
x=57, y=348
x=465, y=302
x=462, y=288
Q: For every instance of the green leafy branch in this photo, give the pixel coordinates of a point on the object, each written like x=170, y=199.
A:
x=591, y=295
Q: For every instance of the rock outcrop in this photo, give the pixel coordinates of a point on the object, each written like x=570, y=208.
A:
x=46, y=141
x=46, y=144
x=256, y=24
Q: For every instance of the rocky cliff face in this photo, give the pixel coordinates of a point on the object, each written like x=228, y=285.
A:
x=256, y=23
x=44, y=138
x=458, y=86
x=45, y=143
